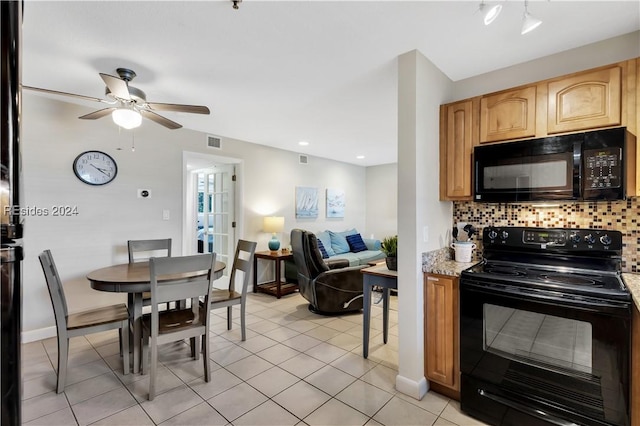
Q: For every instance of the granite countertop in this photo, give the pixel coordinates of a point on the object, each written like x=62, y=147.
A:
x=439, y=262
x=633, y=283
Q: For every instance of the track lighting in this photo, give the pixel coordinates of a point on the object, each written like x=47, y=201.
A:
x=492, y=14
x=529, y=22
x=235, y=4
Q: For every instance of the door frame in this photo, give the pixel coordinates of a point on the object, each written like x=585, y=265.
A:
x=198, y=160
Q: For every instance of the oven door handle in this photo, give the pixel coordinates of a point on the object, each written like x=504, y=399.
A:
x=614, y=307
x=527, y=410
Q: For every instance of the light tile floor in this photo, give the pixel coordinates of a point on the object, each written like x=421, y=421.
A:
x=295, y=368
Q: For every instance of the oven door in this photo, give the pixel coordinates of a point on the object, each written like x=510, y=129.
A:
x=530, y=357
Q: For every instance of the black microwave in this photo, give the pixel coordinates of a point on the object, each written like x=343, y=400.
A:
x=579, y=166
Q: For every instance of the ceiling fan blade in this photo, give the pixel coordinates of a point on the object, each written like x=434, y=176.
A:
x=98, y=114
x=194, y=109
x=160, y=119
x=55, y=92
x=117, y=86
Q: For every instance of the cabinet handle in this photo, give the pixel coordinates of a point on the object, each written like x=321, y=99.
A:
x=432, y=279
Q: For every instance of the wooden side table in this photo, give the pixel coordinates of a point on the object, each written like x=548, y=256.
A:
x=276, y=287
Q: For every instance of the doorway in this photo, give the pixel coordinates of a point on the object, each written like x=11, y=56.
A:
x=210, y=206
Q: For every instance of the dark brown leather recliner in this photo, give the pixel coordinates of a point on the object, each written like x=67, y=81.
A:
x=329, y=291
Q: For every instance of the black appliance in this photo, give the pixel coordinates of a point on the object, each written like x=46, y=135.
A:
x=580, y=166
x=545, y=329
x=11, y=251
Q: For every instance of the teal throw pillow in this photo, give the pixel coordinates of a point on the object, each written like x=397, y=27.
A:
x=355, y=243
x=339, y=243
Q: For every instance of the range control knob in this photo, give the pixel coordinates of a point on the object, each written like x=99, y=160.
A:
x=504, y=235
x=575, y=238
x=589, y=239
x=492, y=234
x=605, y=240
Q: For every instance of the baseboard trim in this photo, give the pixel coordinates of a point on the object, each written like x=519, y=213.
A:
x=39, y=334
x=412, y=388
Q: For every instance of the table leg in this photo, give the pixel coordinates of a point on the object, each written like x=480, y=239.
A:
x=137, y=331
x=366, y=307
x=255, y=274
x=277, y=280
x=385, y=313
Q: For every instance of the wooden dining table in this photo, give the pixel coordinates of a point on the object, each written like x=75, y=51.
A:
x=135, y=279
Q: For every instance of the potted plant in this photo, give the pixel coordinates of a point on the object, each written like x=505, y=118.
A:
x=389, y=246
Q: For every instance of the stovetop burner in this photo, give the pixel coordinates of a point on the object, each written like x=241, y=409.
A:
x=577, y=261
x=569, y=279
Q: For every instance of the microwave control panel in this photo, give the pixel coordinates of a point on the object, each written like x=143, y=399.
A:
x=602, y=168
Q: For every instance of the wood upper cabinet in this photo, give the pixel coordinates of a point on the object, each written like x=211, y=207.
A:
x=585, y=101
x=458, y=131
x=441, y=331
x=508, y=115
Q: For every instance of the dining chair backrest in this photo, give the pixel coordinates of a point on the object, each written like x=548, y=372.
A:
x=56, y=291
x=242, y=262
x=172, y=279
x=151, y=247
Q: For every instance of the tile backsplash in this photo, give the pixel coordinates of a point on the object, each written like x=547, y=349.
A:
x=622, y=216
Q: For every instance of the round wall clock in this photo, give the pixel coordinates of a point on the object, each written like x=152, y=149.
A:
x=95, y=167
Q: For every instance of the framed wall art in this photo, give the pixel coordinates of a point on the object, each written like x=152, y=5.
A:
x=335, y=202
x=306, y=202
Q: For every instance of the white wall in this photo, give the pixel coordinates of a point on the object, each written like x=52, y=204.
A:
x=421, y=89
x=110, y=215
x=382, y=200
x=581, y=58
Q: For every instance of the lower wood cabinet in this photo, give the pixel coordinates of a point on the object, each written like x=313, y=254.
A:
x=442, y=331
x=635, y=368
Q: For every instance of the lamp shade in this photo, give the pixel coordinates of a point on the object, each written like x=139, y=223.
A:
x=126, y=118
x=273, y=224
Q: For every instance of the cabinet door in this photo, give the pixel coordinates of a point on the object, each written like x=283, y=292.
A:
x=458, y=150
x=441, y=312
x=585, y=101
x=508, y=115
x=635, y=366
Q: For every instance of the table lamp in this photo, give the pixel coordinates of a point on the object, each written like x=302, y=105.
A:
x=273, y=224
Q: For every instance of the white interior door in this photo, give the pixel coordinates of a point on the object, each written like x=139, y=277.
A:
x=215, y=212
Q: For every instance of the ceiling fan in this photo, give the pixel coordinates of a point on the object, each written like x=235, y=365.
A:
x=129, y=104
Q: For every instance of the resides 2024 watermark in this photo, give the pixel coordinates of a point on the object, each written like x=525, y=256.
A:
x=60, y=210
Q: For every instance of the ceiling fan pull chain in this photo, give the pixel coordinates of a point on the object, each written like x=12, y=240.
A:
x=133, y=141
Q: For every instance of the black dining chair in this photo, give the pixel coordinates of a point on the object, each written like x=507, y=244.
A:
x=167, y=326
x=81, y=323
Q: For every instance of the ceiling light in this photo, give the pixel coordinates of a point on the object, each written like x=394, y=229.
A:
x=303, y=143
x=492, y=14
x=529, y=23
x=360, y=157
x=126, y=118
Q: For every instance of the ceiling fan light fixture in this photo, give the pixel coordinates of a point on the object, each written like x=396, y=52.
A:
x=126, y=118
x=492, y=14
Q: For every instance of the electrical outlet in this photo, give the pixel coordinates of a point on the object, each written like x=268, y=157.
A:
x=144, y=193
